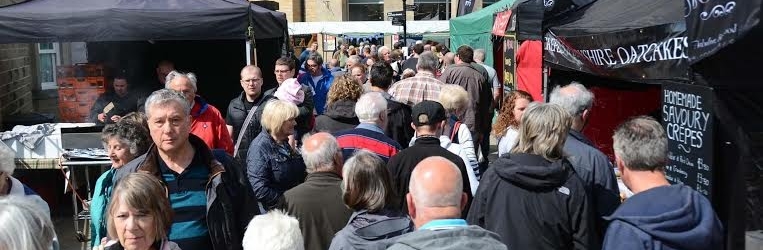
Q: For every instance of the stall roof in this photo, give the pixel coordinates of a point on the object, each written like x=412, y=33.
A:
x=99, y=20
x=605, y=16
x=366, y=27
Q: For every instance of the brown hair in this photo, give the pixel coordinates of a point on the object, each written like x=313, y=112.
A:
x=506, y=116
x=285, y=60
x=344, y=88
x=145, y=193
x=367, y=182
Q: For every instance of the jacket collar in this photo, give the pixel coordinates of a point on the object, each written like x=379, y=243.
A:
x=323, y=175
x=427, y=140
x=581, y=137
x=199, y=106
x=151, y=163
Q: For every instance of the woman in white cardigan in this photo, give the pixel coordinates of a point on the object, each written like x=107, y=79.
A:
x=506, y=126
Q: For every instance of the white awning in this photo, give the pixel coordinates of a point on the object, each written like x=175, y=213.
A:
x=367, y=27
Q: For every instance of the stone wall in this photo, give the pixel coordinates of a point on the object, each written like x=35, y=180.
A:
x=16, y=78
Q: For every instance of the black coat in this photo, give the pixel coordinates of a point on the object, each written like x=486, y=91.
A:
x=339, y=115
x=402, y=164
x=533, y=203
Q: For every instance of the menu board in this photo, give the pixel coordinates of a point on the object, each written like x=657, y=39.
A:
x=687, y=115
x=509, y=62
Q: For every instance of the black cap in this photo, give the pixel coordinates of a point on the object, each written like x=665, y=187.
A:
x=427, y=113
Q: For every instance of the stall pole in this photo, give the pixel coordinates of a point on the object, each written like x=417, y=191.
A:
x=405, y=26
x=250, y=37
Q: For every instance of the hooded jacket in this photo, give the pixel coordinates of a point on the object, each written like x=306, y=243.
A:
x=369, y=231
x=339, y=115
x=668, y=217
x=533, y=203
x=209, y=125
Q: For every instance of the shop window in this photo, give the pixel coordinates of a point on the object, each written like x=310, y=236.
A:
x=48, y=60
x=432, y=10
x=365, y=10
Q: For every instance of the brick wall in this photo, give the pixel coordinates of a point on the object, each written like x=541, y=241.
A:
x=15, y=79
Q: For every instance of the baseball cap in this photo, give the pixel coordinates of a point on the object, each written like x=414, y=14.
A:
x=427, y=113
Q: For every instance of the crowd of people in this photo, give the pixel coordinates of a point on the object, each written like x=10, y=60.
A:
x=390, y=156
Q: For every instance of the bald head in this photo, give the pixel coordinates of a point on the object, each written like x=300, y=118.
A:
x=321, y=153
x=436, y=182
x=333, y=63
x=251, y=69
x=448, y=58
x=435, y=191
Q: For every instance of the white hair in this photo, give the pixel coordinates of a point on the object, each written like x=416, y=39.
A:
x=273, y=231
x=573, y=102
x=354, y=58
x=191, y=78
x=380, y=50
x=165, y=96
x=322, y=157
x=370, y=106
x=7, y=164
x=23, y=225
x=425, y=197
x=479, y=55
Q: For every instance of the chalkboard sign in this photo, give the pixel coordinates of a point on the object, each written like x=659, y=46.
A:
x=509, y=62
x=687, y=115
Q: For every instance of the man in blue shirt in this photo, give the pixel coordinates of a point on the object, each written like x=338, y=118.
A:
x=435, y=201
x=319, y=78
x=210, y=198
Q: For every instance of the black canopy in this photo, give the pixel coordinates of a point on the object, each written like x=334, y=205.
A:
x=131, y=20
x=645, y=40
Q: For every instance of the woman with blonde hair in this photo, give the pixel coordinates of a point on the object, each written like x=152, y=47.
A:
x=139, y=215
x=549, y=207
x=272, y=165
x=506, y=127
x=340, y=106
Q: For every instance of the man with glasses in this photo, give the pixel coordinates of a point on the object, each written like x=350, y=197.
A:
x=319, y=78
x=238, y=108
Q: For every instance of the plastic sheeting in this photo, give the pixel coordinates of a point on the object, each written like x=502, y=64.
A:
x=367, y=27
x=99, y=20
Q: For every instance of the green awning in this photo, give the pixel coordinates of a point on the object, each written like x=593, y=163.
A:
x=475, y=29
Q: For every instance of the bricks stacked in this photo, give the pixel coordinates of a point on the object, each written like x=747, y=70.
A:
x=78, y=88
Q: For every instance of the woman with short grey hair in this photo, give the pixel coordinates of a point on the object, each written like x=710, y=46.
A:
x=124, y=141
x=24, y=226
x=367, y=190
x=548, y=201
x=272, y=165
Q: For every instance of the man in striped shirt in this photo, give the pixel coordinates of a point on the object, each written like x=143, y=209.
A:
x=211, y=200
x=371, y=110
x=423, y=86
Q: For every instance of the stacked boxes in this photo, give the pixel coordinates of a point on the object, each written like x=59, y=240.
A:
x=78, y=88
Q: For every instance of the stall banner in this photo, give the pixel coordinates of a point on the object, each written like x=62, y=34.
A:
x=509, y=62
x=501, y=22
x=650, y=53
x=713, y=24
x=688, y=119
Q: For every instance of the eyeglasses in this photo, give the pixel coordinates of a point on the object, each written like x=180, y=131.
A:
x=253, y=80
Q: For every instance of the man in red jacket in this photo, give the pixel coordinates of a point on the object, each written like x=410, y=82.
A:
x=206, y=121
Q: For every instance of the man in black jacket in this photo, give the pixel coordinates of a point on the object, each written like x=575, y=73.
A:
x=429, y=120
x=589, y=163
x=398, y=114
x=238, y=108
x=209, y=194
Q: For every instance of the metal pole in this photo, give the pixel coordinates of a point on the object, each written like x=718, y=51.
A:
x=405, y=25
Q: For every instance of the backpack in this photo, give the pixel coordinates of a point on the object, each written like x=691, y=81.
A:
x=454, y=124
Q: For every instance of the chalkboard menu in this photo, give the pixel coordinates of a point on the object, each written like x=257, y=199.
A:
x=687, y=115
x=509, y=62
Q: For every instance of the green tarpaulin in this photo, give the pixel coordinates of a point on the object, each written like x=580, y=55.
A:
x=474, y=29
